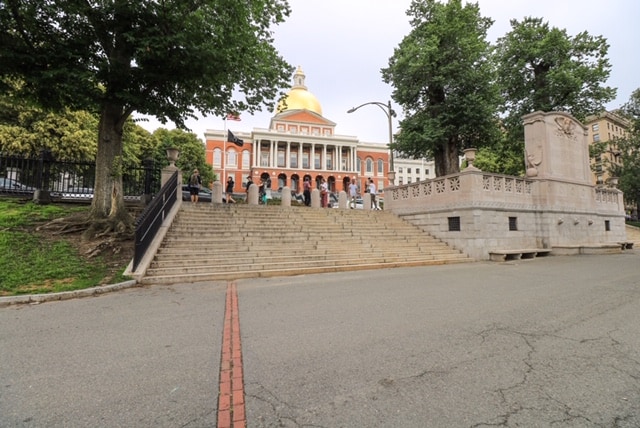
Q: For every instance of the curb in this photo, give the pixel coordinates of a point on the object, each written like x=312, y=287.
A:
x=66, y=295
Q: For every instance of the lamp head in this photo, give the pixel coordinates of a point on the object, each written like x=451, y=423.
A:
x=351, y=110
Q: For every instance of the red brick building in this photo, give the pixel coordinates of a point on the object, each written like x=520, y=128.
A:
x=300, y=142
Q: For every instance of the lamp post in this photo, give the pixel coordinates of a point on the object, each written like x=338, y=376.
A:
x=386, y=108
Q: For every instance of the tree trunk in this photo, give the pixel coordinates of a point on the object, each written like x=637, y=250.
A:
x=108, y=211
x=446, y=158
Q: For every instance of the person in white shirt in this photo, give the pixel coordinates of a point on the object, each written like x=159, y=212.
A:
x=353, y=193
x=372, y=192
x=324, y=194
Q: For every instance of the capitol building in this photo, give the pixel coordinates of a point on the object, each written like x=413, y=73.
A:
x=301, y=143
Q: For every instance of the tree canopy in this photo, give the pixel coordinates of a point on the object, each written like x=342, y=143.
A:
x=542, y=68
x=443, y=79
x=169, y=59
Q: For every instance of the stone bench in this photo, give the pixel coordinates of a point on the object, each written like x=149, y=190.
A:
x=504, y=255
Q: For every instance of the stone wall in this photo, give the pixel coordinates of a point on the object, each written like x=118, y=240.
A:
x=553, y=207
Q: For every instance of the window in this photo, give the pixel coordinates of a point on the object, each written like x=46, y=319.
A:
x=408, y=170
x=293, y=159
x=316, y=160
x=418, y=172
x=607, y=225
x=264, y=158
x=359, y=165
x=513, y=223
x=596, y=137
x=400, y=170
x=369, y=166
x=246, y=159
x=380, y=167
x=454, y=224
x=305, y=160
x=217, y=157
x=595, y=127
x=232, y=159
x=281, y=154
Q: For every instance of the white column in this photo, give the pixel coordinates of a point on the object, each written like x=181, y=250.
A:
x=256, y=152
x=300, y=154
x=323, y=161
x=312, y=156
x=287, y=159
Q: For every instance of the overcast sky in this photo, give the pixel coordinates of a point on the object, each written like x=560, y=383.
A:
x=341, y=46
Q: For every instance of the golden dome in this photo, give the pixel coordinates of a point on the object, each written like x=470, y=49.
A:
x=298, y=98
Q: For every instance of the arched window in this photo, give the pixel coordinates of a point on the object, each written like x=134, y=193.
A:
x=232, y=159
x=369, y=169
x=380, y=167
x=359, y=165
x=217, y=158
x=246, y=159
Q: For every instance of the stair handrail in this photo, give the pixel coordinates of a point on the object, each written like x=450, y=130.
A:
x=152, y=218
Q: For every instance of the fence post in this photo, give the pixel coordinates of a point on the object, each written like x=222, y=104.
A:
x=42, y=195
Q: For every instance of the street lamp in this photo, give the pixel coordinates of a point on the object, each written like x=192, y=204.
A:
x=386, y=108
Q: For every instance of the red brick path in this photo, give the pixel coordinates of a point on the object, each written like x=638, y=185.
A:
x=231, y=394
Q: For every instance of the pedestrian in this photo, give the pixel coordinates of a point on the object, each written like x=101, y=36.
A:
x=194, y=185
x=353, y=193
x=229, y=190
x=249, y=183
x=324, y=194
x=262, y=192
x=306, y=186
x=372, y=192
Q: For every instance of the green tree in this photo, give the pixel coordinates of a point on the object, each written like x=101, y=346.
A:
x=629, y=147
x=168, y=59
x=542, y=68
x=442, y=78
x=192, y=153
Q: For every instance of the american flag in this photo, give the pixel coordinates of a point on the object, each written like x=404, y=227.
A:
x=233, y=116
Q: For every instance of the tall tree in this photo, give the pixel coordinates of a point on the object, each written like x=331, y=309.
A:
x=542, y=68
x=442, y=78
x=169, y=59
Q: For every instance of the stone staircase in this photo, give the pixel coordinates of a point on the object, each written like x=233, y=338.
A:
x=227, y=242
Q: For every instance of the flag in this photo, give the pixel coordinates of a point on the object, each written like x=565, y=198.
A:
x=233, y=139
x=233, y=116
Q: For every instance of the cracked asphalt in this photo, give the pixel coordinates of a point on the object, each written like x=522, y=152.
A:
x=547, y=342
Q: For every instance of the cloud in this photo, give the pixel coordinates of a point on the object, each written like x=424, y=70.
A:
x=343, y=44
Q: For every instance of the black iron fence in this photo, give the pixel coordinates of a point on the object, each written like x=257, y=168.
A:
x=67, y=180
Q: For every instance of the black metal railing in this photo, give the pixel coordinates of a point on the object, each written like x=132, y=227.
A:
x=71, y=180
x=151, y=219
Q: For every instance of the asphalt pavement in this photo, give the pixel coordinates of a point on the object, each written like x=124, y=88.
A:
x=551, y=341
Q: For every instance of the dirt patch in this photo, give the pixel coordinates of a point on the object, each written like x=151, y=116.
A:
x=115, y=252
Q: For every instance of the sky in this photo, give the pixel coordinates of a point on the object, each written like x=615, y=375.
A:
x=342, y=45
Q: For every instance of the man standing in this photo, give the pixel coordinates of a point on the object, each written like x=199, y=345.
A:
x=372, y=192
x=307, y=191
x=353, y=193
x=194, y=185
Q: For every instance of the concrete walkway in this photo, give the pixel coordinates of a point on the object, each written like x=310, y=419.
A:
x=544, y=342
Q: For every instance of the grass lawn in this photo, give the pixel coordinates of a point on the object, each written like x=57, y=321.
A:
x=35, y=261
